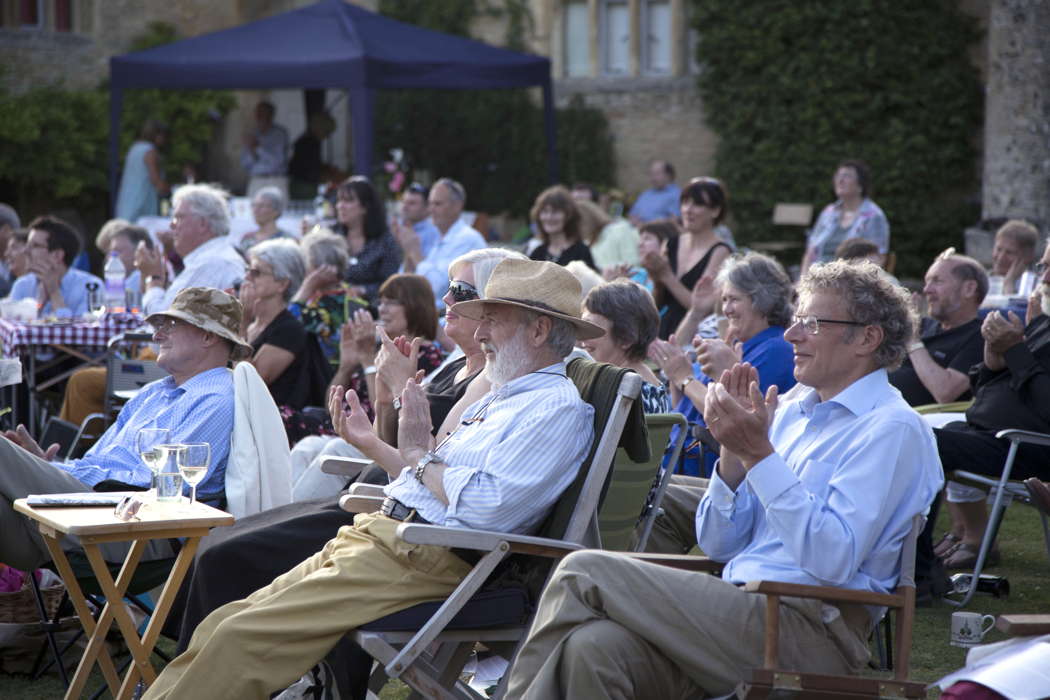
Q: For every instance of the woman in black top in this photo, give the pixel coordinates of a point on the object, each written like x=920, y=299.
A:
x=374, y=254
x=287, y=358
x=698, y=251
x=558, y=223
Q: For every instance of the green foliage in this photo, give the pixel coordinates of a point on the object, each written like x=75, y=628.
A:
x=54, y=143
x=791, y=88
x=190, y=114
x=490, y=140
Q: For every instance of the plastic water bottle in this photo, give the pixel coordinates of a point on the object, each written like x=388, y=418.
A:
x=321, y=204
x=114, y=274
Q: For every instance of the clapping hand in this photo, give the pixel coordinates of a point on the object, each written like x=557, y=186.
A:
x=414, y=428
x=672, y=361
x=349, y=419
x=357, y=340
x=148, y=261
x=1002, y=332
x=716, y=355
x=397, y=361
x=738, y=416
x=320, y=278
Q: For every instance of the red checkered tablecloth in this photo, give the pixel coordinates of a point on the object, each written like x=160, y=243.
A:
x=16, y=336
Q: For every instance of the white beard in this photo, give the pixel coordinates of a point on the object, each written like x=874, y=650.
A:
x=508, y=362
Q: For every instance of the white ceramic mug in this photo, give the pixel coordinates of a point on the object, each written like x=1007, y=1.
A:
x=969, y=628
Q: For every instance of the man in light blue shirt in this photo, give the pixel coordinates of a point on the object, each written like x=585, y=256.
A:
x=196, y=339
x=821, y=489
x=660, y=201
x=515, y=451
x=60, y=290
x=447, y=199
x=414, y=222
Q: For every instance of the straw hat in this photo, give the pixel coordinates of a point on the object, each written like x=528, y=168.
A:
x=210, y=310
x=545, y=287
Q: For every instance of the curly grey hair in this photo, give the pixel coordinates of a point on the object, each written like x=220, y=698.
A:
x=207, y=202
x=764, y=281
x=483, y=261
x=284, y=256
x=273, y=196
x=871, y=298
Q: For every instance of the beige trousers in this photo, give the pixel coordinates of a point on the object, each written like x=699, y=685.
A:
x=609, y=626
x=674, y=531
x=252, y=647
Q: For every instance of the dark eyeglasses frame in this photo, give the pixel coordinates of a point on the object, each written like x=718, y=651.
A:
x=462, y=291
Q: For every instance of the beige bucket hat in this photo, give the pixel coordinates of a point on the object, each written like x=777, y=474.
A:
x=210, y=310
x=536, y=285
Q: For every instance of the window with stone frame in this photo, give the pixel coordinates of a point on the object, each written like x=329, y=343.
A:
x=577, y=17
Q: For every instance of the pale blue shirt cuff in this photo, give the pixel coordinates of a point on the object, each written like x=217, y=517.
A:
x=721, y=497
x=770, y=478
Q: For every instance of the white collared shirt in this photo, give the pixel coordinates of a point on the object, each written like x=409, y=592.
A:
x=213, y=263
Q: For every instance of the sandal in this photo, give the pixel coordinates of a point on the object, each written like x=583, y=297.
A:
x=944, y=545
x=964, y=556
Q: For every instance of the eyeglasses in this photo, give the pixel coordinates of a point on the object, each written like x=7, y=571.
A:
x=462, y=291
x=255, y=273
x=416, y=188
x=166, y=325
x=811, y=324
x=128, y=508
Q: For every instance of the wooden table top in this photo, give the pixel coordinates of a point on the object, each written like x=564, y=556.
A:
x=153, y=516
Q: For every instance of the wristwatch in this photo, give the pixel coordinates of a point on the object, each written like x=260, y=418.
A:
x=423, y=463
x=370, y=369
x=917, y=345
x=685, y=382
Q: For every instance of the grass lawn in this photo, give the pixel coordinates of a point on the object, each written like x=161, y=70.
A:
x=1025, y=564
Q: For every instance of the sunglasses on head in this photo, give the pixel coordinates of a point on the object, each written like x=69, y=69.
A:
x=461, y=291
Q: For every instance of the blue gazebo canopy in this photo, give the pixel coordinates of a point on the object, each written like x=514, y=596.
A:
x=328, y=45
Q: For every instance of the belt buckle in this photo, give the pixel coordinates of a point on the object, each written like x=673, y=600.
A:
x=387, y=507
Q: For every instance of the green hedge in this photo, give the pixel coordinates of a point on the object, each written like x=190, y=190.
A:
x=791, y=88
x=490, y=140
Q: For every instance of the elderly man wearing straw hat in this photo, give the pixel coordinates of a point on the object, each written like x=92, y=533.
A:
x=516, y=450
x=197, y=337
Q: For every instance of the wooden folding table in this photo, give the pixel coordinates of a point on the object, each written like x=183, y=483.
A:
x=95, y=526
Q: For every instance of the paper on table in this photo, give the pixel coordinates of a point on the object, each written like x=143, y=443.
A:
x=1017, y=668
x=10, y=371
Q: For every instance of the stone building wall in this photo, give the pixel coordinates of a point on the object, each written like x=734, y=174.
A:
x=1017, y=112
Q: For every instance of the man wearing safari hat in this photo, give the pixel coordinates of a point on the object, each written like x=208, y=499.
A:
x=516, y=450
x=197, y=337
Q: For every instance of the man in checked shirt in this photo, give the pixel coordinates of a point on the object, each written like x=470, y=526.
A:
x=515, y=451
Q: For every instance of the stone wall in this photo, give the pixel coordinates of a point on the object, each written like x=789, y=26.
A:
x=1017, y=112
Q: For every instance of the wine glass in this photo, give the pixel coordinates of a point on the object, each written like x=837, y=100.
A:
x=147, y=443
x=193, y=461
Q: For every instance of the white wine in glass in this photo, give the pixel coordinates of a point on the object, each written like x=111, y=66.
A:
x=147, y=444
x=193, y=463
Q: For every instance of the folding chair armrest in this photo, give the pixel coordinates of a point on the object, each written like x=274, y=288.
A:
x=687, y=562
x=484, y=540
x=1026, y=436
x=360, y=504
x=363, y=489
x=826, y=593
x=1023, y=625
x=344, y=466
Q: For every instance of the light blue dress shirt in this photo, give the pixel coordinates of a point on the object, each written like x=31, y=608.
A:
x=459, y=239
x=74, y=292
x=428, y=235
x=516, y=450
x=199, y=410
x=833, y=504
x=653, y=204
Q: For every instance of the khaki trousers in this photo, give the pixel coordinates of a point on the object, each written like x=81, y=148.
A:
x=609, y=626
x=252, y=647
x=85, y=394
x=674, y=531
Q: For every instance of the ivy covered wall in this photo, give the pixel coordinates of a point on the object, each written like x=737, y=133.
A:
x=791, y=88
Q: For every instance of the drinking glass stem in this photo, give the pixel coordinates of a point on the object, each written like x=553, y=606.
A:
x=193, y=494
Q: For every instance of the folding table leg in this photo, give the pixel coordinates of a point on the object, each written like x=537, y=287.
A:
x=115, y=610
x=76, y=596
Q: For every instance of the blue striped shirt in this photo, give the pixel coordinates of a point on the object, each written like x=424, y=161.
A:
x=517, y=449
x=198, y=410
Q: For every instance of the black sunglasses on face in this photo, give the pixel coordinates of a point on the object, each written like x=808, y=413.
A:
x=461, y=291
